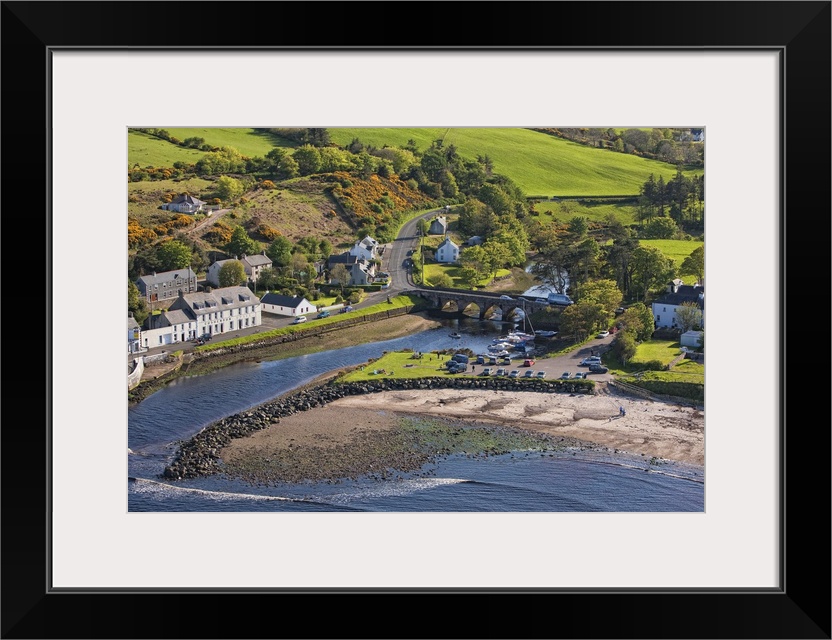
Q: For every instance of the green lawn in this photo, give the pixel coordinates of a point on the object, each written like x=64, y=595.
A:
x=400, y=364
x=662, y=350
x=148, y=151
x=565, y=210
x=678, y=250
x=455, y=272
x=539, y=164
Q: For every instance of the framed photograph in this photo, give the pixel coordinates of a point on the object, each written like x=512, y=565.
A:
x=752, y=77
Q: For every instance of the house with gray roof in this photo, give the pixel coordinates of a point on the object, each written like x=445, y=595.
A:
x=447, y=251
x=286, y=305
x=361, y=270
x=367, y=248
x=185, y=203
x=193, y=315
x=167, y=285
x=252, y=265
x=438, y=226
x=665, y=307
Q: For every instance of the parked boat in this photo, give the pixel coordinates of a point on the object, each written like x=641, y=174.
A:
x=456, y=335
x=540, y=333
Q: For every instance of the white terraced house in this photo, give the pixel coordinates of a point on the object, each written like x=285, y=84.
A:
x=196, y=314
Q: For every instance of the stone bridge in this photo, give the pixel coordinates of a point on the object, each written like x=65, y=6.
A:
x=460, y=300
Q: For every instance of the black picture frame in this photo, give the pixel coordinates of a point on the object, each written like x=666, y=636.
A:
x=800, y=608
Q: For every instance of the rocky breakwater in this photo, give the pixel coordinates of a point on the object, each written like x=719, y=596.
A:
x=200, y=455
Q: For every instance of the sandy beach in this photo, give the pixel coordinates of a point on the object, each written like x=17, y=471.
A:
x=350, y=432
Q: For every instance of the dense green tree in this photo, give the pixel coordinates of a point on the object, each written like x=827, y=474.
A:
x=229, y=188
x=618, y=259
x=280, y=251
x=441, y=280
x=287, y=167
x=268, y=278
x=582, y=319
x=660, y=228
x=136, y=304
x=605, y=292
x=232, y=274
x=638, y=318
x=172, y=255
x=694, y=264
x=578, y=226
x=624, y=346
x=241, y=244
x=651, y=269
x=308, y=159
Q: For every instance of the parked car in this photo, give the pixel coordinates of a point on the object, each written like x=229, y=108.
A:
x=528, y=373
x=579, y=375
x=589, y=360
x=480, y=360
x=514, y=373
x=346, y=309
x=542, y=300
x=565, y=375
x=486, y=372
x=597, y=368
x=507, y=360
x=619, y=311
x=299, y=319
x=602, y=334
x=323, y=314
x=492, y=360
x=540, y=374
x=501, y=372
x=506, y=298
x=205, y=337
x=528, y=362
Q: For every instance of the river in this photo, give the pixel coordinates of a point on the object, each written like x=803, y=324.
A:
x=585, y=481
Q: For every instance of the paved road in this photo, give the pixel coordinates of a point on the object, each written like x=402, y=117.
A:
x=397, y=256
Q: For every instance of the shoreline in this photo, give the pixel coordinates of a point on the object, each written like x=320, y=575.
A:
x=357, y=435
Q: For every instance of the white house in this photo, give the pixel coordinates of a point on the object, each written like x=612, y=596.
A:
x=665, y=307
x=286, y=305
x=447, y=252
x=218, y=311
x=366, y=248
x=185, y=204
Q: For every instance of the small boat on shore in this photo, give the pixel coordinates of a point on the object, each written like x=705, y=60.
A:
x=545, y=334
x=456, y=335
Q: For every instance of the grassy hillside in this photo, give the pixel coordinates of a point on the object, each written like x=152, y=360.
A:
x=594, y=211
x=148, y=151
x=249, y=142
x=540, y=164
x=678, y=250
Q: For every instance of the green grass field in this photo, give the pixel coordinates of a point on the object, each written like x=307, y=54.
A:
x=148, y=151
x=678, y=250
x=565, y=210
x=249, y=142
x=662, y=350
x=540, y=164
x=455, y=272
